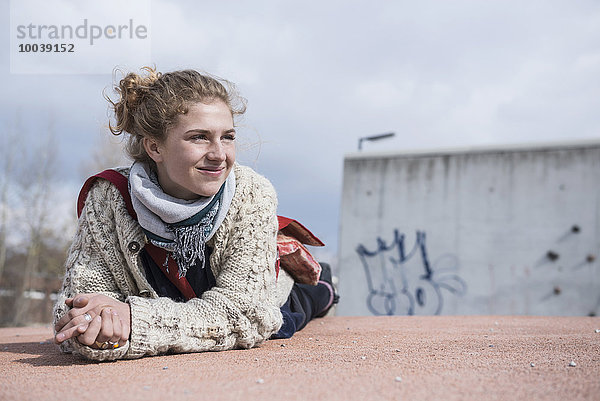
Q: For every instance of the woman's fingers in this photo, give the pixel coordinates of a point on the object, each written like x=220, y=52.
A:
x=76, y=317
x=106, y=328
x=125, y=323
x=75, y=327
x=89, y=336
x=80, y=301
x=103, y=331
x=85, y=309
x=77, y=303
x=110, y=330
x=63, y=321
x=117, y=329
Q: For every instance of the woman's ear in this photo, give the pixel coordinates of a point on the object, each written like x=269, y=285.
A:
x=153, y=149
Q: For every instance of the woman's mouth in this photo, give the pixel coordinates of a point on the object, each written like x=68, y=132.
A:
x=211, y=171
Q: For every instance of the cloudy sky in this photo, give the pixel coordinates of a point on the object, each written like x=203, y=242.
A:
x=318, y=75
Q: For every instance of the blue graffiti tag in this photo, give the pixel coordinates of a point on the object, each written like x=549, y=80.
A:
x=395, y=290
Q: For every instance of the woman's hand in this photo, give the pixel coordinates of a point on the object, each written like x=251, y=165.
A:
x=104, y=331
x=95, y=318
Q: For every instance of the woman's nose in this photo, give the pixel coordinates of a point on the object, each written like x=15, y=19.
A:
x=216, y=151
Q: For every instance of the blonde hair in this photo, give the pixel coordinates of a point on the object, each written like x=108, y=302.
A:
x=148, y=105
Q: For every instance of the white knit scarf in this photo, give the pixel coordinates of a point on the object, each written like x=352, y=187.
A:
x=180, y=226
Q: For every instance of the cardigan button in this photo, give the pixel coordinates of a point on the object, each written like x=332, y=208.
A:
x=134, y=246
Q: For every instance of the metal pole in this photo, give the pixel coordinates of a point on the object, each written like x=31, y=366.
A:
x=374, y=138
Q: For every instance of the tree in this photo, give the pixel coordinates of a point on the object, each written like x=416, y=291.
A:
x=107, y=153
x=32, y=245
x=10, y=146
x=35, y=189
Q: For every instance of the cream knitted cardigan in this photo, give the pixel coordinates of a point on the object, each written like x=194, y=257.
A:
x=241, y=311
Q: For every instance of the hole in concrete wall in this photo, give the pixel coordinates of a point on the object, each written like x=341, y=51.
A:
x=552, y=255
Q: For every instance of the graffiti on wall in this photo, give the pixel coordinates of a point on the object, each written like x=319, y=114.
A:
x=406, y=283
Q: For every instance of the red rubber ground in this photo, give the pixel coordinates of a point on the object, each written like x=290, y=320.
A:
x=334, y=358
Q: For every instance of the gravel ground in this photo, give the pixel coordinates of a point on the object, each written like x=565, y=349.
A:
x=334, y=358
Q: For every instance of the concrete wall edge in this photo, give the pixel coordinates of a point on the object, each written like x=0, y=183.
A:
x=523, y=147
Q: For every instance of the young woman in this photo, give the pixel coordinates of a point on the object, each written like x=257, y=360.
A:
x=189, y=264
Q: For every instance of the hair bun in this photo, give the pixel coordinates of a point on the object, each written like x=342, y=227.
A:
x=133, y=87
x=131, y=90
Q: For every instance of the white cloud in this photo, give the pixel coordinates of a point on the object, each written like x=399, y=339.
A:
x=319, y=75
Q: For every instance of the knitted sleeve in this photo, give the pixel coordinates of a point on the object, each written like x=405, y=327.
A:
x=241, y=311
x=95, y=261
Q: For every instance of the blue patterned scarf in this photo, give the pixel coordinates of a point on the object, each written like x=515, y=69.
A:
x=180, y=226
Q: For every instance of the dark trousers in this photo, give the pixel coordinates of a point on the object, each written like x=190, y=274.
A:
x=304, y=304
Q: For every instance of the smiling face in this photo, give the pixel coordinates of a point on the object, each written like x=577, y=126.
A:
x=198, y=153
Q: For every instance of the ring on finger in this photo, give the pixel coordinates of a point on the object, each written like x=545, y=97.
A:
x=114, y=345
x=103, y=345
x=87, y=317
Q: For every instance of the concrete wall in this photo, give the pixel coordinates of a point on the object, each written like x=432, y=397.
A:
x=512, y=230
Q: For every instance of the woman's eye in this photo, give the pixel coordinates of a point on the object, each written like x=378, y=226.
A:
x=199, y=137
x=229, y=137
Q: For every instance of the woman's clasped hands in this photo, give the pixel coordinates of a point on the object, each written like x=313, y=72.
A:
x=95, y=320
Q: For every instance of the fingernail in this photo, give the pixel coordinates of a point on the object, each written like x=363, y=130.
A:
x=60, y=336
x=115, y=313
